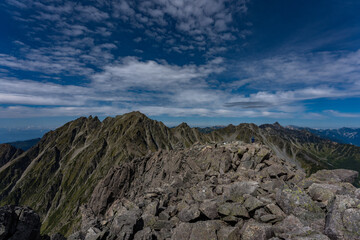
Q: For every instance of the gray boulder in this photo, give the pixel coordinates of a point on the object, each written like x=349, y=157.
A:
x=253, y=230
x=233, y=209
x=189, y=213
x=19, y=223
x=295, y=201
x=235, y=191
x=343, y=218
x=292, y=228
x=335, y=176
x=252, y=203
x=124, y=226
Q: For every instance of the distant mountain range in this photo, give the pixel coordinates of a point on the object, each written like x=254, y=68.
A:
x=341, y=135
x=60, y=172
x=25, y=145
x=20, y=134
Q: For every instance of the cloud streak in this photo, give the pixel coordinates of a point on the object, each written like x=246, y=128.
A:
x=341, y=68
x=156, y=88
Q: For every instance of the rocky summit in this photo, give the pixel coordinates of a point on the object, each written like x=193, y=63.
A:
x=227, y=191
x=131, y=177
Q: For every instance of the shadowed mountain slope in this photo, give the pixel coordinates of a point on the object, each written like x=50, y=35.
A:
x=341, y=135
x=25, y=145
x=7, y=153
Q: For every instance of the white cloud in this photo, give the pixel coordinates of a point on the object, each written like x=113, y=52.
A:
x=342, y=114
x=27, y=92
x=25, y=112
x=151, y=75
x=155, y=88
x=90, y=13
x=46, y=60
x=312, y=69
x=288, y=101
x=16, y=3
x=210, y=20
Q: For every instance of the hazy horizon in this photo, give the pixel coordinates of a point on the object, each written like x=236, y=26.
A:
x=18, y=133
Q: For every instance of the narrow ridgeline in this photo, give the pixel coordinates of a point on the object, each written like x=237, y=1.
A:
x=88, y=169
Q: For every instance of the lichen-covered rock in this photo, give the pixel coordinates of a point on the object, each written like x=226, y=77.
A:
x=297, y=202
x=229, y=233
x=274, y=209
x=205, y=230
x=292, y=228
x=253, y=230
x=233, y=209
x=252, y=203
x=235, y=191
x=323, y=192
x=209, y=209
x=189, y=213
x=343, y=218
x=182, y=231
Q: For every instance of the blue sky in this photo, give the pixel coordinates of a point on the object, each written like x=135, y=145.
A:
x=207, y=62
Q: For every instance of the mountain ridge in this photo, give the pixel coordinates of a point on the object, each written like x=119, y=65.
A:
x=24, y=145
x=58, y=175
x=343, y=135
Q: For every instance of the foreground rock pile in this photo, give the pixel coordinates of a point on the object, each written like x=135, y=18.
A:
x=229, y=191
x=18, y=223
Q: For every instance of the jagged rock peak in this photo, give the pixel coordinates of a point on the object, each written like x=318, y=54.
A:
x=277, y=124
x=183, y=125
x=134, y=114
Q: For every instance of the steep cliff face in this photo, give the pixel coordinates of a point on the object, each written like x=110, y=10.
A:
x=7, y=153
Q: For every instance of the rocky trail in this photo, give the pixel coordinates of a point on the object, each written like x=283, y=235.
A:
x=218, y=191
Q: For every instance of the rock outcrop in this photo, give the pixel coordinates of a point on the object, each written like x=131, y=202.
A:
x=19, y=223
x=228, y=191
x=7, y=153
x=60, y=172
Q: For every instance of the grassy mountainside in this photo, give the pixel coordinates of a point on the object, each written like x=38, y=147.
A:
x=7, y=153
x=58, y=174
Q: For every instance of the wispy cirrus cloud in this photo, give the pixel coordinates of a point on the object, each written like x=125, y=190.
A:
x=305, y=69
x=157, y=87
x=342, y=114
